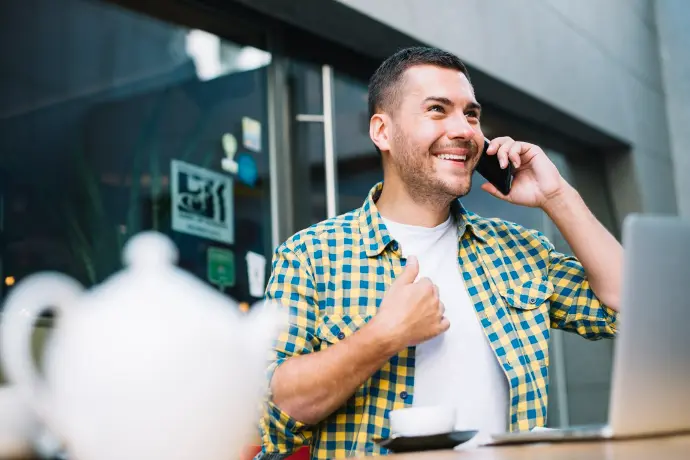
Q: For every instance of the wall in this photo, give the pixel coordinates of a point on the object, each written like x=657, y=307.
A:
x=673, y=17
x=596, y=61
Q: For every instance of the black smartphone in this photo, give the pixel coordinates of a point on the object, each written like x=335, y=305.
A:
x=491, y=170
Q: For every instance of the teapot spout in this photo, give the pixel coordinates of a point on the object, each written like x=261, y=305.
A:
x=261, y=329
x=266, y=321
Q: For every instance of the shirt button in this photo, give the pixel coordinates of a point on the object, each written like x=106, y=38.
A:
x=532, y=300
x=341, y=336
x=403, y=394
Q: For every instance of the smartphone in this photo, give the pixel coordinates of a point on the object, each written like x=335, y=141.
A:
x=491, y=170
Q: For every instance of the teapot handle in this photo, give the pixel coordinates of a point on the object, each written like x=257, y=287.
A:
x=29, y=298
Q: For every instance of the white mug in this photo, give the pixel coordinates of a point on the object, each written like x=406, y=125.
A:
x=422, y=421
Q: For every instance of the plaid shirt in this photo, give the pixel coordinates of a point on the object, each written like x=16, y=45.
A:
x=333, y=276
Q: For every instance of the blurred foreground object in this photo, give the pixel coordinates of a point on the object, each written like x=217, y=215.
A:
x=17, y=425
x=150, y=364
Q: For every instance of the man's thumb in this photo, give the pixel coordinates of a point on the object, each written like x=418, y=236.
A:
x=411, y=271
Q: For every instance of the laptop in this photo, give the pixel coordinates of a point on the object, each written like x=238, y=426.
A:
x=650, y=386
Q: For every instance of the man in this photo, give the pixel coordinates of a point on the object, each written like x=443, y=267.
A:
x=414, y=300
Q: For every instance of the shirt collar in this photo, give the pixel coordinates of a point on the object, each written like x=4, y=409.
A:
x=376, y=237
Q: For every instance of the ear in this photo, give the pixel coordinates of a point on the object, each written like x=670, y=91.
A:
x=379, y=131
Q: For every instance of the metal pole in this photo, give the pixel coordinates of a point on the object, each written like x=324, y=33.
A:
x=273, y=153
x=329, y=142
x=279, y=145
x=309, y=118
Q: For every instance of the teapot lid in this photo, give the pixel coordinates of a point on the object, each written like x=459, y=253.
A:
x=153, y=285
x=149, y=249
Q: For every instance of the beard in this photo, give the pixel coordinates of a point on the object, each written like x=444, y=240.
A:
x=419, y=175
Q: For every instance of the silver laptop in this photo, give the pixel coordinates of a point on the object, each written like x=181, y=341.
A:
x=650, y=388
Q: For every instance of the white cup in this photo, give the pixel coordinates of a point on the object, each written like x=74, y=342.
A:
x=422, y=421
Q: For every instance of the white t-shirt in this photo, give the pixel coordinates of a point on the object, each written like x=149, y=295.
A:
x=457, y=367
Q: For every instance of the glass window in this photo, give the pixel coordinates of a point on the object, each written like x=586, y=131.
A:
x=307, y=162
x=112, y=122
x=359, y=164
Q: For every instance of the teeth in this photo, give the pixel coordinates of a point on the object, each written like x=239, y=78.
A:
x=453, y=157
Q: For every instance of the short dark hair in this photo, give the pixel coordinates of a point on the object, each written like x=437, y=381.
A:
x=384, y=85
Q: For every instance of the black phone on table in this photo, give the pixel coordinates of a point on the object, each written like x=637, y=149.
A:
x=490, y=169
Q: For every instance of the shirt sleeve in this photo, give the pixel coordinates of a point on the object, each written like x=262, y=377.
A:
x=290, y=286
x=574, y=306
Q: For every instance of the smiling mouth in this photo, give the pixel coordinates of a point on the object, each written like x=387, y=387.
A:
x=451, y=157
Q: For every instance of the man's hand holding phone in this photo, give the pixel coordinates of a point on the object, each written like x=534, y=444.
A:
x=498, y=174
x=519, y=172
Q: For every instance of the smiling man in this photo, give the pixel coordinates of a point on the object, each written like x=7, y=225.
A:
x=412, y=300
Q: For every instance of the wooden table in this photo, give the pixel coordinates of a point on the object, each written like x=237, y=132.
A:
x=656, y=448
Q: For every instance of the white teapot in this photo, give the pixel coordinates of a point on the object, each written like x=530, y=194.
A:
x=151, y=364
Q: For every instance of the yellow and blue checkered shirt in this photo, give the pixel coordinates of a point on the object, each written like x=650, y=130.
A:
x=332, y=278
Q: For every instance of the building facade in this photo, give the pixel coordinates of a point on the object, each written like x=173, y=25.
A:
x=229, y=125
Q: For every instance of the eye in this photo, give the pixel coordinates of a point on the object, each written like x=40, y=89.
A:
x=472, y=114
x=437, y=108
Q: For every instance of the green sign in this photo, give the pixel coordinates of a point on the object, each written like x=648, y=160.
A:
x=221, y=267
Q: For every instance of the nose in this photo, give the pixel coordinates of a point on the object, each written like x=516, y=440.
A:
x=459, y=128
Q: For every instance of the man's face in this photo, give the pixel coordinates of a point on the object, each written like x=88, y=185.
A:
x=435, y=135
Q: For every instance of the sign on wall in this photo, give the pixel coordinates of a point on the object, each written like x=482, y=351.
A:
x=201, y=202
x=221, y=267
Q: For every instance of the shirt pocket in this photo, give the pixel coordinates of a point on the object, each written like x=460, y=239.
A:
x=528, y=306
x=335, y=328
x=529, y=295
